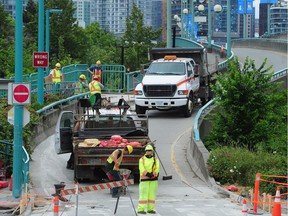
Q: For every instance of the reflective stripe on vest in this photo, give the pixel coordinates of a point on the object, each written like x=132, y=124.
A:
x=56, y=76
x=98, y=73
x=94, y=87
x=115, y=155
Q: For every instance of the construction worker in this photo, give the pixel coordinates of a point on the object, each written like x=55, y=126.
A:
x=81, y=86
x=149, y=171
x=113, y=163
x=56, y=74
x=95, y=91
x=96, y=70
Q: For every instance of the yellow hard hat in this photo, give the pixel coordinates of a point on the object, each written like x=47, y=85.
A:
x=82, y=76
x=130, y=148
x=98, y=62
x=149, y=148
x=58, y=65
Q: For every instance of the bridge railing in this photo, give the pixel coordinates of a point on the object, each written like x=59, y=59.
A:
x=6, y=150
x=207, y=107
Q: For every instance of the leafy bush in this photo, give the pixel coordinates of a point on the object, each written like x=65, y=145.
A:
x=230, y=165
x=6, y=129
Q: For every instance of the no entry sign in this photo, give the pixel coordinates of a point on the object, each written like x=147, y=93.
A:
x=21, y=93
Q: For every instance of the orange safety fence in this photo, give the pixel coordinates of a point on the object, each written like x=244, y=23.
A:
x=267, y=199
x=33, y=198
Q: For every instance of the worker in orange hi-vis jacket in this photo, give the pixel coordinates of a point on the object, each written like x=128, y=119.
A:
x=96, y=70
x=149, y=171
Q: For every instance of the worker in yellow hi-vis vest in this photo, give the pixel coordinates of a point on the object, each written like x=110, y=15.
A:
x=149, y=171
x=95, y=91
x=81, y=86
x=56, y=74
x=113, y=163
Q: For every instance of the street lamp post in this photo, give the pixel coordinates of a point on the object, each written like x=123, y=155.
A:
x=184, y=26
x=228, y=28
x=169, y=24
x=47, y=47
x=217, y=8
x=40, y=75
x=192, y=19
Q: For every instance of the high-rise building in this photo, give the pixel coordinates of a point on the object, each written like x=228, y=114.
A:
x=156, y=14
x=273, y=12
x=111, y=14
x=82, y=13
x=279, y=19
x=10, y=6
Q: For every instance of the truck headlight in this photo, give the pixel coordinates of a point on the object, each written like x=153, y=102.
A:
x=138, y=92
x=182, y=92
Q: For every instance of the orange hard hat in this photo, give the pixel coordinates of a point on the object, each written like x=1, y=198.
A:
x=95, y=77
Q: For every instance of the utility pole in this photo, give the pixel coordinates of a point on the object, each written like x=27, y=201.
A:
x=18, y=121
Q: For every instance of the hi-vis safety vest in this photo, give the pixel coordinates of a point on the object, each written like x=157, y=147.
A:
x=94, y=87
x=79, y=88
x=147, y=165
x=97, y=72
x=114, y=156
x=56, y=76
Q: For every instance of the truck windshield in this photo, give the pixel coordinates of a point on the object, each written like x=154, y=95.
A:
x=173, y=68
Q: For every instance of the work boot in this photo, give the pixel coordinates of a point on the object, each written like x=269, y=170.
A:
x=151, y=212
x=141, y=212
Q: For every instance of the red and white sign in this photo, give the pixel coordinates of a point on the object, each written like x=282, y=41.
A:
x=40, y=59
x=21, y=94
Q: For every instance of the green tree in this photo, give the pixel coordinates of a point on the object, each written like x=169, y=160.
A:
x=6, y=43
x=63, y=26
x=138, y=38
x=101, y=45
x=252, y=111
x=30, y=21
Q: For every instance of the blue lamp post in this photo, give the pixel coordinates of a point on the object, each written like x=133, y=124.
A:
x=47, y=47
x=169, y=24
x=217, y=9
x=228, y=28
x=40, y=75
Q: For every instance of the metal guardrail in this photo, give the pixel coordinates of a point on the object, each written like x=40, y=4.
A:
x=208, y=106
x=25, y=161
x=61, y=103
x=25, y=171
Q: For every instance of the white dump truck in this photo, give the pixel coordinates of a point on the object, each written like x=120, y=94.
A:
x=176, y=79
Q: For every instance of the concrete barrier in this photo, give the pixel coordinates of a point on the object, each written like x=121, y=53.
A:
x=263, y=44
x=48, y=121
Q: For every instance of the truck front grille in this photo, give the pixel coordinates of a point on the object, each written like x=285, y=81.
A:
x=159, y=90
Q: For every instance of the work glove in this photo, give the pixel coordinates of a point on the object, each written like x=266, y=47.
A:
x=149, y=174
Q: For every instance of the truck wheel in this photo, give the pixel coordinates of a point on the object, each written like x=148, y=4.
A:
x=188, y=108
x=140, y=110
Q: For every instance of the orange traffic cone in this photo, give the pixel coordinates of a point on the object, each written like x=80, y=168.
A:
x=244, y=208
x=277, y=204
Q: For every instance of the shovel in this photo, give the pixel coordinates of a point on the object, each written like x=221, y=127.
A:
x=166, y=177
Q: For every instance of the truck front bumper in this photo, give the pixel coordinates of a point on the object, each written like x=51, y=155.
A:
x=160, y=103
